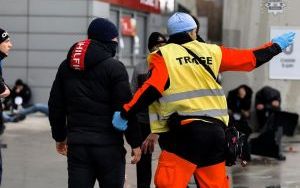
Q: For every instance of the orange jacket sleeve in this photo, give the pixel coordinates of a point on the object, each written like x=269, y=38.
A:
x=155, y=83
x=247, y=59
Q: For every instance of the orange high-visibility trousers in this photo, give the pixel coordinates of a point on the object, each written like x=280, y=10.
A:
x=175, y=172
x=213, y=176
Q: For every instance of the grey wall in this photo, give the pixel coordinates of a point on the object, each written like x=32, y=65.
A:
x=247, y=24
x=41, y=32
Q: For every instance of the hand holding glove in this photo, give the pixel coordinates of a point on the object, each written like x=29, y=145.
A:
x=284, y=40
x=118, y=122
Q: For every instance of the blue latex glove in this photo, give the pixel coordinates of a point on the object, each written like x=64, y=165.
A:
x=118, y=122
x=284, y=40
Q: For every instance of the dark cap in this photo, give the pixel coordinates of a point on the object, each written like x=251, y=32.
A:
x=19, y=82
x=3, y=35
x=102, y=30
x=154, y=39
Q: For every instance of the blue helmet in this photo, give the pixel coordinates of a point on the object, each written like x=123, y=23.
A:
x=180, y=22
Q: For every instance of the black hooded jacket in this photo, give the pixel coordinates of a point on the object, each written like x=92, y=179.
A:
x=89, y=87
x=266, y=95
x=235, y=103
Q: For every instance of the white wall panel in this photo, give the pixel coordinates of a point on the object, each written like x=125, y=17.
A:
x=19, y=41
x=13, y=7
x=58, y=7
x=58, y=24
x=14, y=23
x=10, y=75
x=16, y=58
x=99, y=9
x=41, y=77
x=46, y=59
x=40, y=94
x=53, y=41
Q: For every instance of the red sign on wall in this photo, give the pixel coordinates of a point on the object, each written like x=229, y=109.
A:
x=142, y=5
x=128, y=26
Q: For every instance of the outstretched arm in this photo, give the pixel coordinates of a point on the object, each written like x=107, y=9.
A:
x=249, y=59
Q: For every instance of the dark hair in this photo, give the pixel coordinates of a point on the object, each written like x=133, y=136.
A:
x=180, y=38
x=155, y=39
x=19, y=82
x=197, y=22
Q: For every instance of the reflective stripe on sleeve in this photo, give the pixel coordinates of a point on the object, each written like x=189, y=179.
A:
x=192, y=94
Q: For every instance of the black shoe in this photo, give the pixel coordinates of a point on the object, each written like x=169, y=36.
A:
x=2, y=128
x=281, y=157
x=19, y=117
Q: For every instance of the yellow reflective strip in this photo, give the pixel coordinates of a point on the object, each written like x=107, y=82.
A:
x=192, y=94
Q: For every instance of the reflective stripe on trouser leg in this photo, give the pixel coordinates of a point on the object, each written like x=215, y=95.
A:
x=212, y=176
x=173, y=171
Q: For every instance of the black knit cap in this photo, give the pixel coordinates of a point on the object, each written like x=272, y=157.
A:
x=102, y=30
x=3, y=35
x=154, y=39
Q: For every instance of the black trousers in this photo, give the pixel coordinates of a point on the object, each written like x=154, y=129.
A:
x=199, y=142
x=2, y=127
x=88, y=163
x=143, y=167
x=0, y=166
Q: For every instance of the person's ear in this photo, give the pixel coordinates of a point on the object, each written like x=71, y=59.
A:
x=193, y=34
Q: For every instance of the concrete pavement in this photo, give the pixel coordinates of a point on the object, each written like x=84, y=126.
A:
x=30, y=161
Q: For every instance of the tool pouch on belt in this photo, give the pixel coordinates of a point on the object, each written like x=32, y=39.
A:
x=234, y=138
x=174, y=121
x=234, y=144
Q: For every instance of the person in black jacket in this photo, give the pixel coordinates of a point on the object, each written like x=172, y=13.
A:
x=140, y=74
x=5, y=47
x=22, y=91
x=267, y=100
x=239, y=102
x=89, y=86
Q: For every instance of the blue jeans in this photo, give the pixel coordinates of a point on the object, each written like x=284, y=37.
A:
x=39, y=107
x=6, y=117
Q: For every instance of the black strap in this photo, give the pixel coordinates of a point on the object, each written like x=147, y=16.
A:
x=201, y=62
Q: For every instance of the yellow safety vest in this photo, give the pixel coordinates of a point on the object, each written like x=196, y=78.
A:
x=192, y=91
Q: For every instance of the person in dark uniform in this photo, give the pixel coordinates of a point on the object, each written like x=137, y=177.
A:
x=140, y=74
x=267, y=100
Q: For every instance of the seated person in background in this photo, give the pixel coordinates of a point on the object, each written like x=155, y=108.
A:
x=239, y=104
x=20, y=91
x=267, y=100
x=19, y=103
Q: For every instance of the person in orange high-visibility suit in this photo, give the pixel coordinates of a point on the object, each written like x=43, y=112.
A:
x=187, y=107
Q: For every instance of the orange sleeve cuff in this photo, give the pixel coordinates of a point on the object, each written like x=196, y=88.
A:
x=158, y=79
